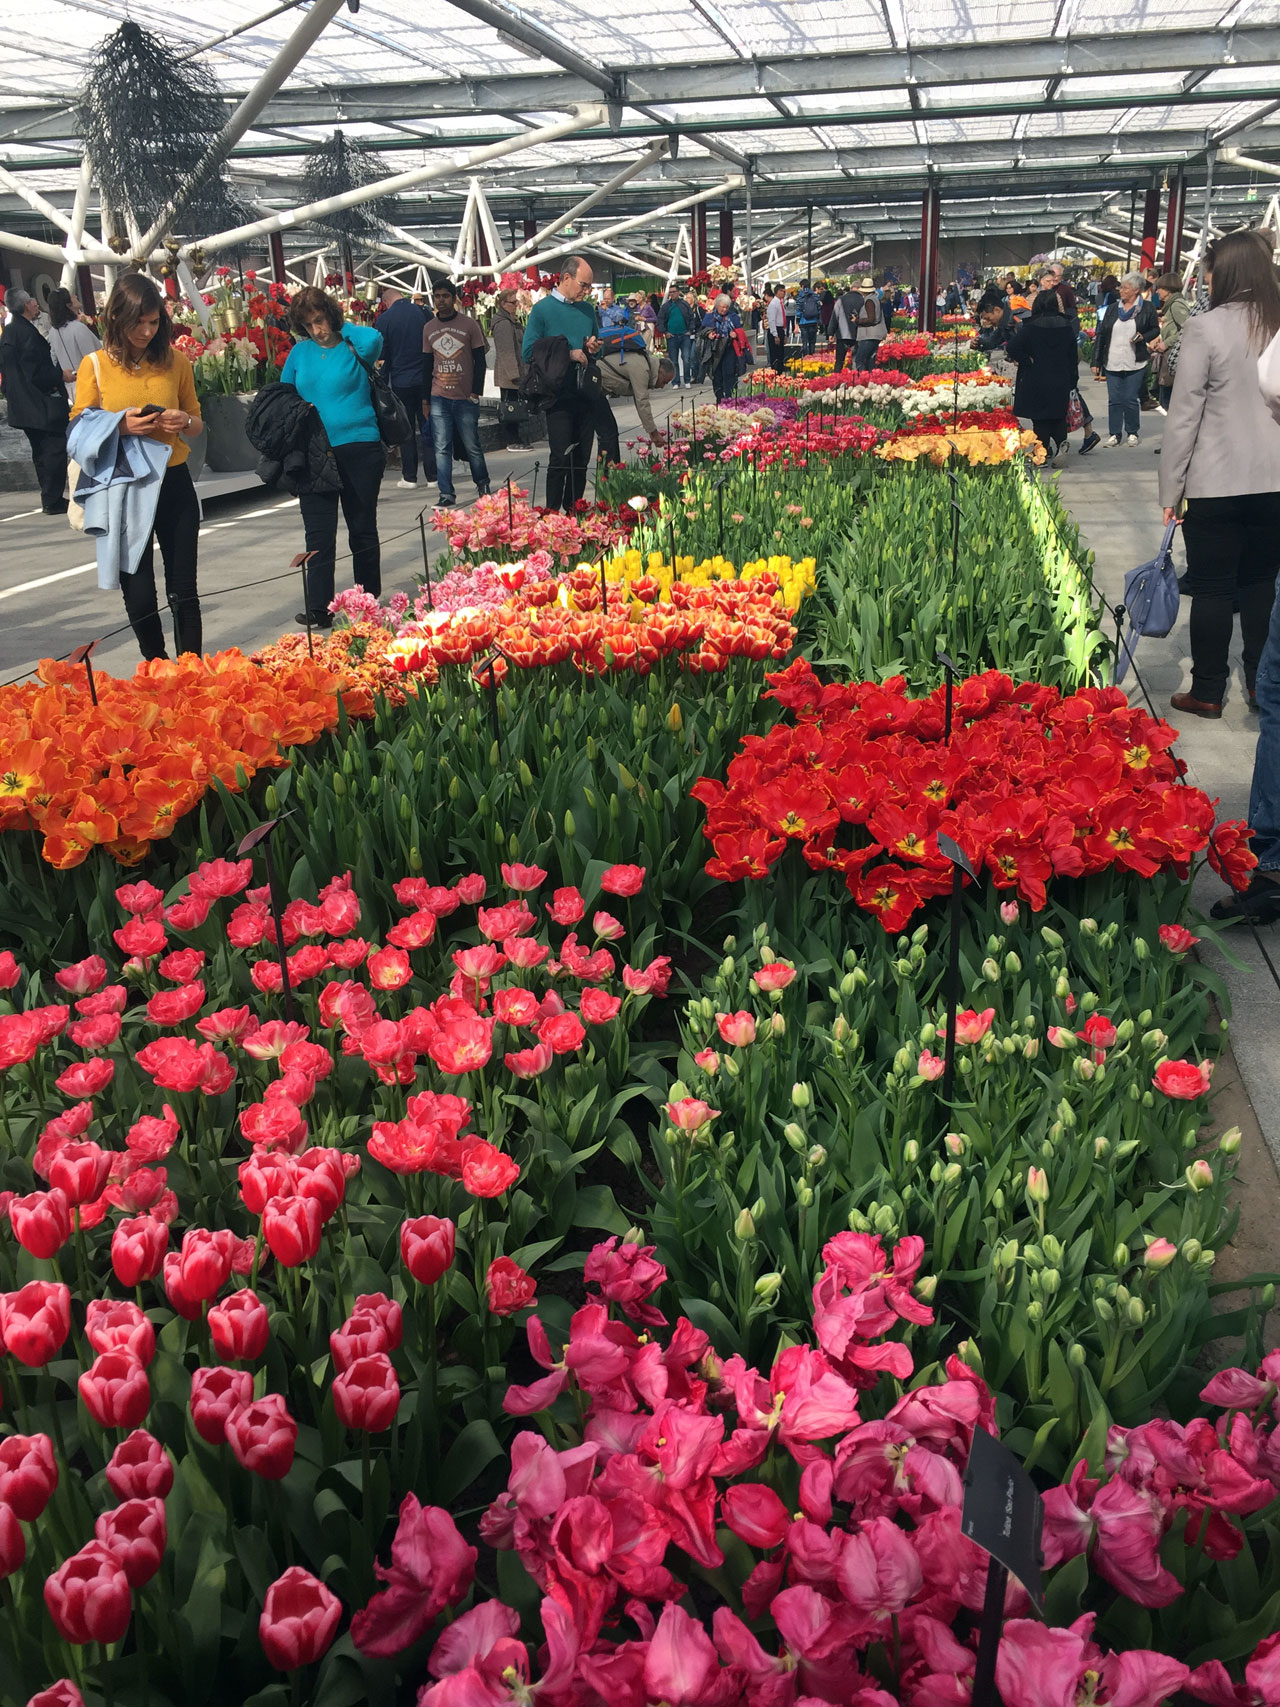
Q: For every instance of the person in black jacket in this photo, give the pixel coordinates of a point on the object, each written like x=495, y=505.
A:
x=1120, y=352
x=402, y=324
x=37, y=399
x=1046, y=352
x=289, y=435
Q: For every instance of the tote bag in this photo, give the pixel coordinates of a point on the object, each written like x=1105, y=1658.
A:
x=394, y=425
x=1151, y=600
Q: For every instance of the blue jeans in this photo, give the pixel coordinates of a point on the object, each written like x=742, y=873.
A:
x=461, y=414
x=1264, y=799
x=1124, y=388
x=808, y=336
x=680, y=353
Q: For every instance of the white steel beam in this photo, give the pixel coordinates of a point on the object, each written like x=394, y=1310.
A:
x=79, y=212
x=638, y=220
x=651, y=155
x=583, y=119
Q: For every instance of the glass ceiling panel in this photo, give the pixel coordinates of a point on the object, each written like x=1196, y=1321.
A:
x=982, y=94
x=772, y=27
x=978, y=20
x=1109, y=17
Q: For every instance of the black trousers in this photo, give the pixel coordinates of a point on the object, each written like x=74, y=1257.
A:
x=1233, y=553
x=49, y=455
x=177, y=528
x=808, y=330
x=724, y=375
x=411, y=397
x=608, y=447
x=361, y=465
x=570, y=427
x=777, y=352
x=844, y=347
x=1051, y=431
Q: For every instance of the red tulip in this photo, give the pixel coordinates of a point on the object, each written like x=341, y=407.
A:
x=115, y=1390
x=239, y=1326
x=216, y=1394
x=41, y=1222
x=28, y=1474
x=623, y=880
x=426, y=1247
x=86, y=1078
x=262, y=1436
x=81, y=1171
x=35, y=1321
x=204, y=1265
x=140, y=1468
x=10, y=971
x=138, y=1246
x=299, y=1618
x=509, y=1287
x=180, y=1300
x=88, y=1597
x=367, y=1395
x=292, y=1227
x=486, y=1170
x=114, y=1324
x=1183, y=1079
x=136, y=1532
x=13, y=1544
x=755, y=1512
x=359, y=1336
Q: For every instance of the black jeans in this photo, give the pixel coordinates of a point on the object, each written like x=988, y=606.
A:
x=865, y=354
x=1233, y=553
x=49, y=455
x=778, y=352
x=361, y=465
x=724, y=375
x=1051, y=430
x=177, y=527
x=570, y=427
x=808, y=330
x=608, y=447
x=844, y=348
x=411, y=397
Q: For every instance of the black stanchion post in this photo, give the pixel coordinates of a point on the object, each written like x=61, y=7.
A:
x=263, y=834
x=300, y=562
x=951, y=671
x=490, y=664
x=426, y=561
x=955, y=378
x=955, y=522
x=82, y=655
x=511, y=513
x=955, y=924
x=1003, y=1514
x=533, y=496
x=719, y=491
x=984, y=1674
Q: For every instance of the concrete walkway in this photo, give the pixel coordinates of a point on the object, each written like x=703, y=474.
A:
x=1114, y=498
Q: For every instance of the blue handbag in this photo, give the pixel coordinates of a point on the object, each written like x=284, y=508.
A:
x=1151, y=600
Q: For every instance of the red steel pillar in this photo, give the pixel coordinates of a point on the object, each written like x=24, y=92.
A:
x=275, y=249
x=700, y=238
x=726, y=237
x=930, y=225
x=1173, y=224
x=84, y=290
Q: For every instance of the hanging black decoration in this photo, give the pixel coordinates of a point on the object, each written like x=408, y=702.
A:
x=148, y=116
x=336, y=167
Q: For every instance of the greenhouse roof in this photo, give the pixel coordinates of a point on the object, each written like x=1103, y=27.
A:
x=1028, y=113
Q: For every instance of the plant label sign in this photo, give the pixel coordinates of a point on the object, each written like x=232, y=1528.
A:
x=1003, y=1511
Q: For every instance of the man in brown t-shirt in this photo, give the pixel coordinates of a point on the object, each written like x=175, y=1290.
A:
x=453, y=348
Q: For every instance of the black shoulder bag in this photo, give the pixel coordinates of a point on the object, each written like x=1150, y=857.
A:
x=394, y=425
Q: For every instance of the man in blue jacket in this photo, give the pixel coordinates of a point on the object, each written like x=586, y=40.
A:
x=401, y=323
x=808, y=314
x=569, y=313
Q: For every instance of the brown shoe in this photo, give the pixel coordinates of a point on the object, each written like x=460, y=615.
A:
x=1195, y=707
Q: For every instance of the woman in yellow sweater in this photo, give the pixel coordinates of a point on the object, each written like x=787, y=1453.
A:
x=136, y=368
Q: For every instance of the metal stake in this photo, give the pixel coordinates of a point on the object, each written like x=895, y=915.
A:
x=81, y=655
x=426, y=564
x=300, y=562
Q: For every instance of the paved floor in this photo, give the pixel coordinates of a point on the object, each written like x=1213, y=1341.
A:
x=1113, y=496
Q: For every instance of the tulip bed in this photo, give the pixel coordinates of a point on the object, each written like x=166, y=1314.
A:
x=520, y=1252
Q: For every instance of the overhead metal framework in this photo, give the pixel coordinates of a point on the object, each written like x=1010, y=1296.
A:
x=1033, y=117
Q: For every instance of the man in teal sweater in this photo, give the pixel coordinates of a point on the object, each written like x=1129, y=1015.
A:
x=568, y=313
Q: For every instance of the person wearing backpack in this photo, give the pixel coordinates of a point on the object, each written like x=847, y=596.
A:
x=871, y=327
x=568, y=313
x=808, y=316
x=675, y=324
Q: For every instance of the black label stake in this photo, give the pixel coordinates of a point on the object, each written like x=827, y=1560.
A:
x=959, y=866
x=263, y=834
x=300, y=562
x=1004, y=1514
x=82, y=655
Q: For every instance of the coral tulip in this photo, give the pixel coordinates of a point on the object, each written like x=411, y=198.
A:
x=508, y=1287
x=28, y=1474
x=367, y=1394
x=88, y=1597
x=624, y=880
x=136, y=1532
x=115, y=1390
x=263, y=1436
x=140, y=1468
x=299, y=1618
x=1183, y=1080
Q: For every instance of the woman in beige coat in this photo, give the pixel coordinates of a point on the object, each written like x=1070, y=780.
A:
x=508, y=364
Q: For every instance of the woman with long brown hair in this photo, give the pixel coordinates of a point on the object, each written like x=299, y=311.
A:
x=139, y=374
x=1221, y=457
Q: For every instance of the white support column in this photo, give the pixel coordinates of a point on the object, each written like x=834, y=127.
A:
x=486, y=228
x=35, y=201
x=637, y=220
x=193, y=292
x=310, y=26
x=583, y=118
x=681, y=248
x=462, y=248
x=32, y=246
x=428, y=251
x=79, y=210
x=516, y=258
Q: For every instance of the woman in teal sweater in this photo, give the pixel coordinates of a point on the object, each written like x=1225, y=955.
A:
x=323, y=368
x=569, y=313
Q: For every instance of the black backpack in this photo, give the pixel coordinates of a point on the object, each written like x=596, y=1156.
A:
x=546, y=371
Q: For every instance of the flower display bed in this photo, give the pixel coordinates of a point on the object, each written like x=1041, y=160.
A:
x=513, y=1245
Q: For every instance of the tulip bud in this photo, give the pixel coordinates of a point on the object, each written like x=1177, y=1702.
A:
x=1125, y=1030
x=841, y=1029
x=744, y=1227
x=1050, y=1280
x=990, y=971
x=1120, y=1256
x=885, y=1220
x=1037, y=1186
x=1033, y=1256
x=1084, y=1068
x=928, y=1033
x=767, y=1287
x=1052, y=937
x=951, y=1173
x=1191, y=1249
x=858, y=1222
x=800, y=1096
x=1012, y=963
x=1035, y=1311
x=1159, y=1254
x=1052, y=1249
x=1121, y=1295
x=903, y=968
x=935, y=1174
x=570, y=828
x=1104, y=1312
x=1199, y=1175
x=817, y=1157
x=794, y=1136
x=955, y=1142
x=848, y=984
x=1141, y=948
x=1230, y=1141
x=1088, y=1002
x=804, y=1195
x=1062, y=987
x=1137, y=1312
x=777, y=1025
x=1207, y=1259
x=997, y=1198
x=911, y=1152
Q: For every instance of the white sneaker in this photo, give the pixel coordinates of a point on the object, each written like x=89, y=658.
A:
x=1160, y=409
x=406, y=483
x=1133, y=439
x=1110, y=444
